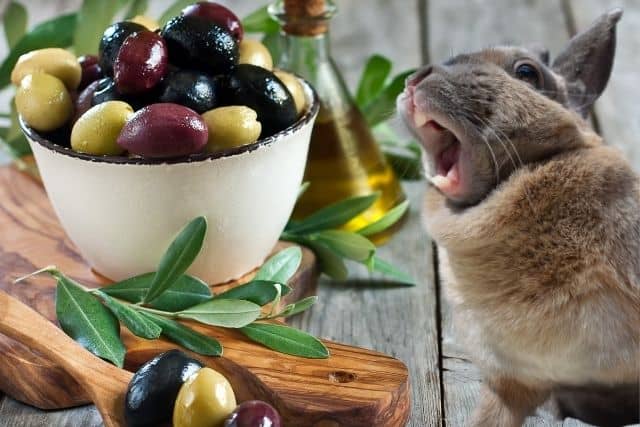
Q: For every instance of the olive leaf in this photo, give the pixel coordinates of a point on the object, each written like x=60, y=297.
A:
x=330, y=263
x=333, y=215
x=383, y=106
x=88, y=322
x=56, y=32
x=406, y=163
x=298, y=306
x=93, y=17
x=179, y=256
x=137, y=7
x=228, y=313
x=259, y=292
x=139, y=325
x=185, y=292
x=372, y=80
x=286, y=340
x=186, y=337
x=174, y=9
x=15, y=22
x=381, y=266
x=260, y=21
x=386, y=221
x=281, y=266
x=345, y=243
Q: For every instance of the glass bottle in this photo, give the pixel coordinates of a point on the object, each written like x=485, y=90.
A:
x=344, y=159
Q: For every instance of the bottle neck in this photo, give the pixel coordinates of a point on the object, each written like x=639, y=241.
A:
x=304, y=54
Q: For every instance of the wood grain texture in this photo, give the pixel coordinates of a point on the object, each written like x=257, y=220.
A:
x=396, y=320
x=354, y=387
x=618, y=109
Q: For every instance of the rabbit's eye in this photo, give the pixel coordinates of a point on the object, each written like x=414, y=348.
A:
x=529, y=73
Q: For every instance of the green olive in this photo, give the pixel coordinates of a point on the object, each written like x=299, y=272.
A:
x=43, y=102
x=57, y=62
x=204, y=400
x=295, y=88
x=255, y=53
x=231, y=127
x=97, y=130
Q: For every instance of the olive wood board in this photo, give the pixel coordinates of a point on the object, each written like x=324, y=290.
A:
x=353, y=387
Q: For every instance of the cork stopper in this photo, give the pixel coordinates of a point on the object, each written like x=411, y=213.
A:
x=305, y=17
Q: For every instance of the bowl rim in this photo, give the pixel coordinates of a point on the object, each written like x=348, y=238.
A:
x=307, y=117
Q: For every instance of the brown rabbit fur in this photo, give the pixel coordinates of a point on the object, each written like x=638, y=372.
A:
x=538, y=227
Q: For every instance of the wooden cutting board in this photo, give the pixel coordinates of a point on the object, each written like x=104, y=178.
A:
x=354, y=387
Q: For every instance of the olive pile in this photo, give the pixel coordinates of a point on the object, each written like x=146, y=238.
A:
x=174, y=388
x=193, y=86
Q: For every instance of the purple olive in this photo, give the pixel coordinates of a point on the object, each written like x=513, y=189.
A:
x=218, y=14
x=141, y=62
x=164, y=130
x=91, y=70
x=254, y=413
x=197, y=44
x=112, y=39
x=84, y=101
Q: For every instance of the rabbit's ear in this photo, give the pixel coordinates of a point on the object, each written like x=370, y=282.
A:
x=587, y=61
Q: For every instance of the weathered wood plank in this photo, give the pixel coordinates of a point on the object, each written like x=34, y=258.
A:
x=484, y=24
x=618, y=109
x=397, y=321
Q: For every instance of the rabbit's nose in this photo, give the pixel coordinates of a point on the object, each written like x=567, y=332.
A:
x=415, y=78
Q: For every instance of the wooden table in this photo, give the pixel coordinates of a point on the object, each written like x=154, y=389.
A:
x=413, y=324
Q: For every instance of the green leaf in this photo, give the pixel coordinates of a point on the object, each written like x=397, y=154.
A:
x=93, y=17
x=84, y=319
x=389, y=270
x=274, y=43
x=383, y=106
x=137, y=7
x=186, y=337
x=286, y=340
x=173, y=10
x=139, y=325
x=185, y=292
x=282, y=266
x=179, y=256
x=374, y=75
x=18, y=146
x=406, y=163
x=387, y=220
x=330, y=263
x=57, y=32
x=15, y=23
x=333, y=215
x=346, y=243
x=260, y=21
x=299, y=306
x=259, y=292
x=228, y=313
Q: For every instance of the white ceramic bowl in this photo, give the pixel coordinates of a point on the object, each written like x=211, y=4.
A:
x=122, y=213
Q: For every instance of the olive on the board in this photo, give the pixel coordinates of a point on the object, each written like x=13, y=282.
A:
x=54, y=61
x=262, y=91
x=43, y=101
x=192, y=89
x=91, y=70
x=112, y=40
x=152, y=391
x=254, y=52
x=97, y=130
x=141, y=62
x=146, y=21
x=164, y=130
x=295, y=89
x=231, y=126
x=84, y=101
x=218, y=14
x=254, y=413
x=205, y=400
x=195, y=43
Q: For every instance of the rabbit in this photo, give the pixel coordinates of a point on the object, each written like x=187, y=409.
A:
x=537, y=223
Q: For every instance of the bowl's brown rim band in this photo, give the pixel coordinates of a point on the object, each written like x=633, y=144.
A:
x=305, y=119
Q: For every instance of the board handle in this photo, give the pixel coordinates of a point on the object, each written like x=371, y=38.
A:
x=104, y=383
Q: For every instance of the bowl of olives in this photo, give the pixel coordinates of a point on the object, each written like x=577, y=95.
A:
x=164, y=126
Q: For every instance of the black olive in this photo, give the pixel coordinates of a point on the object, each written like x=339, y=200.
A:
x=260, y=90
x=111, y=40
x=196, y=43
x=107, y=91
x=192, y=89
x=60, y=136
x=154, y=387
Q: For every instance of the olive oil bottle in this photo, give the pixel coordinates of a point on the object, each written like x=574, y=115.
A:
x=344, y=160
